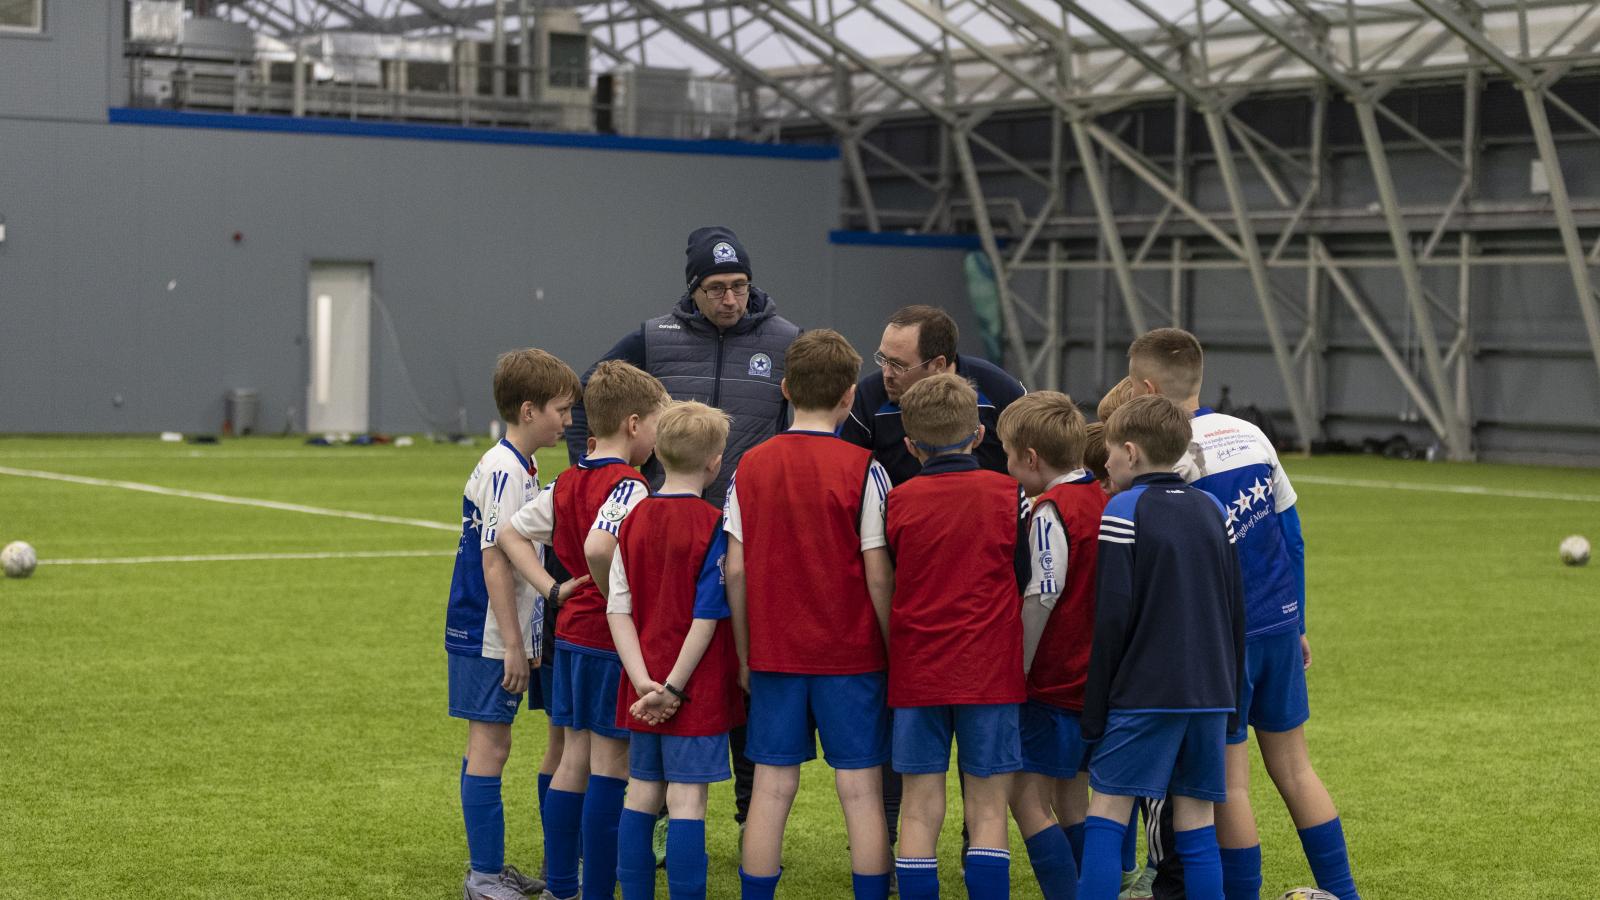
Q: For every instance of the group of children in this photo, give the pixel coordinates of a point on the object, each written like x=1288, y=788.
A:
x=1069, y=627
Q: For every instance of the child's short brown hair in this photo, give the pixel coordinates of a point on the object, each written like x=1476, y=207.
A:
x=1170, y=357
x=531, y=376
x=690, y=434
x=1047, y=422
x=616, y=391
x=1094, y=450
x=1158, y=426
x=1119, y=394
x=819, y=368
x=940, y=411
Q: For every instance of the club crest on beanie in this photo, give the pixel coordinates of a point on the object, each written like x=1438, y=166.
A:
x=714, y=250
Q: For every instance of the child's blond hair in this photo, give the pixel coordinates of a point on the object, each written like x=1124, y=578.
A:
x=690, y=435
x=531, y=376
x=1047, y=422
x=1119, y=394
x=1159, y=427
x=940, y=410
x=616, y=391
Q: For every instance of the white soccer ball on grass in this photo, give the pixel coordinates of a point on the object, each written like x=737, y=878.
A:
x=18, y=559
x=1575, y=550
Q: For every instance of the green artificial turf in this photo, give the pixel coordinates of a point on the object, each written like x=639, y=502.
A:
x=277, y=728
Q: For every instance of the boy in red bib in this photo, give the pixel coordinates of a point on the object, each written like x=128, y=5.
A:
x=579, y=515
x=1044, y=436
x=958, y=537
x=669, y=618
x=809, y=582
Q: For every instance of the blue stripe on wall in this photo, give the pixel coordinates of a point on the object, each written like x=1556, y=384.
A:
x=902, y=239
x=120, y=115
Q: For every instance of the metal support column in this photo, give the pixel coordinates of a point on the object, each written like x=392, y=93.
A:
x=1303, y=422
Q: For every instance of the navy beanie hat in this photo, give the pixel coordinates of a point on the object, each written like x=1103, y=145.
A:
x=713, y=250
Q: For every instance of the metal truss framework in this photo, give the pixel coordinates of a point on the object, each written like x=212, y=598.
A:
x=804, y=64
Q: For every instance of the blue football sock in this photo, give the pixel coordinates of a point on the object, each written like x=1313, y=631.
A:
x=1075, y=838
x=686, y=859
x=868, y=887
x=544, y=787
x=1202, y=863
x=1241, y=873
x=918, y=877
x=602, y=806
x=1051, y=856
x=756, y=887
x=1130, y=841
x=1329, y=858
x=988, y=874
x=486, y=823
x=636, y=859
x=1100, y=876
x=563, y=811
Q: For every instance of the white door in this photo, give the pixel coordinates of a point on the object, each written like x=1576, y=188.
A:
x=340, y=331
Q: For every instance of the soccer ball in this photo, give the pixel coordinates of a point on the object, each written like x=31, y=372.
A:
x=18, y=559
x=1575, y=550
x=1305, y=893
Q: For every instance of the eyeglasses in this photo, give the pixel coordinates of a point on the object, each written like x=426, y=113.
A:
x=718, y=291
x=884, y=362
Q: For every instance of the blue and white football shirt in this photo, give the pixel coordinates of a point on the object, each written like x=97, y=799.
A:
x=501, y=483
x=1231, y=460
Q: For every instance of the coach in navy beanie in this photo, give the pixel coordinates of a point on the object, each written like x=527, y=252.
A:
x=713, y=250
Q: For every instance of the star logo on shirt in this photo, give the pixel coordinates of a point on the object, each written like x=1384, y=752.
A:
x=1242, y=503
x=1233, y=514
x=1259, y=491
x=472, y=522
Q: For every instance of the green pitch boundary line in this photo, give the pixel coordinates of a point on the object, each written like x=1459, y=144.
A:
x=224, y=498
x=1467, y=489
x=242, y=557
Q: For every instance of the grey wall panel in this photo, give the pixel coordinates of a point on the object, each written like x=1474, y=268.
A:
x=462, y=238
x=69, y=71
x=870, y=283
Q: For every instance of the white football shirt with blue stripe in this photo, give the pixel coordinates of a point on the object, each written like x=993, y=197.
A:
x=501, y=483
x=1231, y=460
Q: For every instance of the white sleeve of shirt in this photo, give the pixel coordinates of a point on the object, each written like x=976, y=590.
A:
x=501, y=493
x=732, y=524
x=621, y=599
x=624, y=497
x=1283, y=495
x=536, y=520
x=874, y=498
x=1047, y=541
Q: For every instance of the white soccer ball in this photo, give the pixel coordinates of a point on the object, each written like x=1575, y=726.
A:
x=1575, y=550
x=1306, y=893
x=18, y=559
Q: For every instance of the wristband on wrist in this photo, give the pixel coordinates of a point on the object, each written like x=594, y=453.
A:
x=553, y=598
x=682, y=697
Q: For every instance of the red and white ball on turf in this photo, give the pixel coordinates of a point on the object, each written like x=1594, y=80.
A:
x=18, y=559
x=1575, y=550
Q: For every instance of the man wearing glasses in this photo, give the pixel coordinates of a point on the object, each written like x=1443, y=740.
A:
x=723, y=343
x=920, y=341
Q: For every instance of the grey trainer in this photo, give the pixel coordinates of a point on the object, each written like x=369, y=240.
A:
x=499, y=889
x=527, y=884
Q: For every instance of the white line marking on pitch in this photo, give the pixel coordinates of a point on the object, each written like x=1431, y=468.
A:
x=224, y=498
x=242, y=557
x=1469, y=489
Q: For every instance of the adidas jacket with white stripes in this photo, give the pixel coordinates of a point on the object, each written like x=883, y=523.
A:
x=1169, y=606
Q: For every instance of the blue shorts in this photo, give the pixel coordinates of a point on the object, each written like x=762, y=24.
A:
x=680, y=760
x=788, y=712
x=585, y=692
x=475, y=691
x=986, y=733
x=1156, y=754
x=1273, y=696
x=1052, y=743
